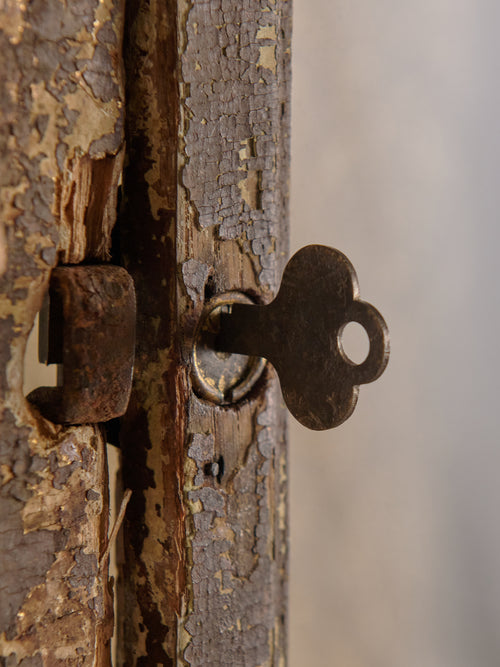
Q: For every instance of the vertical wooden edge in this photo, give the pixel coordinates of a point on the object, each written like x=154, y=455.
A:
x=153, y=574
x=233, y=235
x=205, y=211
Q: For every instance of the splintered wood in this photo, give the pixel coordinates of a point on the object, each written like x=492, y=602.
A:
x=61, y=147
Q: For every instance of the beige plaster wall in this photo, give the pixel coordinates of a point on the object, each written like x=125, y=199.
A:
x=396, y=161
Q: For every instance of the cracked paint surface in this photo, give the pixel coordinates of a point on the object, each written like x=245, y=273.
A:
x=235, y=169
x=205, y=190
x=61, y=142
x=237, y=548
x=235, y=136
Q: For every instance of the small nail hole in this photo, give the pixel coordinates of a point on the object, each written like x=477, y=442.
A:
x=220, y=474
x=215, y=469
x=210, y=288
x=211, y=469
x=354, y=342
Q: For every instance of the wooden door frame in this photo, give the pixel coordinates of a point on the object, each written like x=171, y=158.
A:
x=204, y=211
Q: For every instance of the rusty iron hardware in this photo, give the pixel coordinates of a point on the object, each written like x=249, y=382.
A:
x=300, y=334
x=88, y=325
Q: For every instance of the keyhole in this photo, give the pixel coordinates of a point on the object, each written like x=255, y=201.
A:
x=354, y=342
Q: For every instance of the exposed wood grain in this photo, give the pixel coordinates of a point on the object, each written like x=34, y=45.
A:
x=61, y=147
x=205, y=212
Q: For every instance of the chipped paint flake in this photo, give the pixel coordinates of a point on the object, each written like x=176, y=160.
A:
x=267, y=58
x=55, y=600
x=91, y=113
x=12, y=14
x=195, y=274
x=221, y=200
x=266, y=32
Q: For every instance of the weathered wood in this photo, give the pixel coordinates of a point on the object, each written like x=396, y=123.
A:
x=61, y=147
x=205, y=212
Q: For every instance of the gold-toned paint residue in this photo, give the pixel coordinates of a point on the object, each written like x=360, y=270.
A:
x=7, y=308
x=183, y=636
x=243, y=152
x=59, y=606
x=33, y=245
x=196, y=506
x=162, y=542
x=267, y=58
x=42, y=510
x=278, y=642
x=95, y=119
x=87, y=44
x=250, y=188
x=282, y=509
x=12, y=22
x=45, y=104
x=221, y=529
x=6, y=474
x=8, y=195
x=3, y=249
x=102, y=16
x=266, y=32
x=154, y=121
x=222, y=590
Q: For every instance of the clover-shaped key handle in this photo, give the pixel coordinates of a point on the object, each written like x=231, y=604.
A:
x=300, y=334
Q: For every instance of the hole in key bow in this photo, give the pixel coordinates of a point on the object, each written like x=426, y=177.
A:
x=354, y=343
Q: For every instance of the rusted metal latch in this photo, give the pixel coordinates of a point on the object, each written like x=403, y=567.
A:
x=300, y=334
x=87, y=325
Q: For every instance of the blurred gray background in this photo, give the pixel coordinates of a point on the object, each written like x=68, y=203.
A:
x=395, y=537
